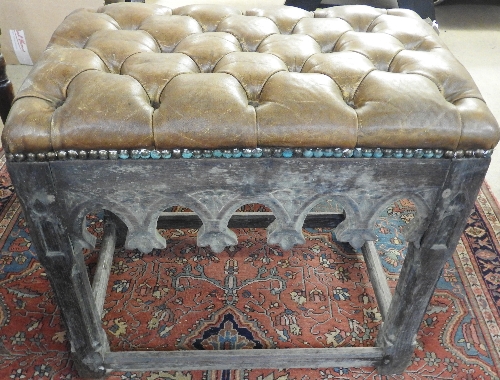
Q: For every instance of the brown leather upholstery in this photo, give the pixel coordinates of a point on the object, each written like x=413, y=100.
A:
x=137, y=75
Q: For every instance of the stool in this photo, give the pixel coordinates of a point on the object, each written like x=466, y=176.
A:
x=135, y=107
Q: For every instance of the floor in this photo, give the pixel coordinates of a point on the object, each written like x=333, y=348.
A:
x=471, y=29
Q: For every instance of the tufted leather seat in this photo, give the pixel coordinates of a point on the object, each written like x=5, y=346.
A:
x=133, y=75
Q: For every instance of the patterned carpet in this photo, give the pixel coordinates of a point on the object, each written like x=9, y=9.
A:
x=255, y=296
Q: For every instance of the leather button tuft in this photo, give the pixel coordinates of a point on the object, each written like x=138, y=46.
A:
x=133, y=76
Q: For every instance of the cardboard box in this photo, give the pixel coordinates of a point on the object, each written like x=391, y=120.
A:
x=27, y=25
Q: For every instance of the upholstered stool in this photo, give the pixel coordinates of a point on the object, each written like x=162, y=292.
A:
x=134, y=108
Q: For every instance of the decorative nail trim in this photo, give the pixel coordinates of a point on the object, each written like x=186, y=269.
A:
x=140, y=154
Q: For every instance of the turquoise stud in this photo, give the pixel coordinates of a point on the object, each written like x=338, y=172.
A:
x=428, y=153
x=186, y=153
x=308, y=153
x=257, y=152
x=318, y=153
x=155, y=154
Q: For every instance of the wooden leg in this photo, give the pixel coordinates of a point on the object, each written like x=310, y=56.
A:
x=121, y=228
x=6, y=91
x=47, y=213
x=65, y=267
x=417, y=281
x=424, y=263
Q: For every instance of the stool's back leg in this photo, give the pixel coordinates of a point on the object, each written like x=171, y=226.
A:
x=65, y=267
x=6, y=91
x=423, y=265
x=121, y=228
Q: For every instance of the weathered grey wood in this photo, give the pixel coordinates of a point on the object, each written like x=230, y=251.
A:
x=247, y=220
x=424, y=263
x=120, y=228
x=217, y=188
x=247, y=359
x=64, y=266
x=101, y=276
x=134, y=194
x=377, y=277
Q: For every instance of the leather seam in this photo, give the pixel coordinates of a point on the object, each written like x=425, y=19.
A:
x=368, y=30
x=138, y=52
x=153, y=134
x=112, y=18
x=165, y=86
x=35, y=97
x=105, y=64
x=260, y=94
x=228, y=32
x=51, y=130
x=98, y=56
x=177, y=44
x=393, y=58
x=220, y=59
x=256, y=128
x=461, y=127
x=265, y=38
x=137, y=80
x=355, y=92
x=460, y=117
x=467, y=97
x=175, y=76
x=299, y=20
x=65, y=90
x=268, y=78
x=72, y=79
x=274, y=22
x=440, y=88
x=65, y=98
x=154, y=39
x=125, y=60
x=338, y=39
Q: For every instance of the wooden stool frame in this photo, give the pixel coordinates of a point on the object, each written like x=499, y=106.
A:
x=57, y=192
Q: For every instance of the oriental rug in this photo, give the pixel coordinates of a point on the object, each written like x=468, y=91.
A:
x=255, y=296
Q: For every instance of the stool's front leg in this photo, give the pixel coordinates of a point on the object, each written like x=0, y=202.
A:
x=423, y=264
x=64, y=266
